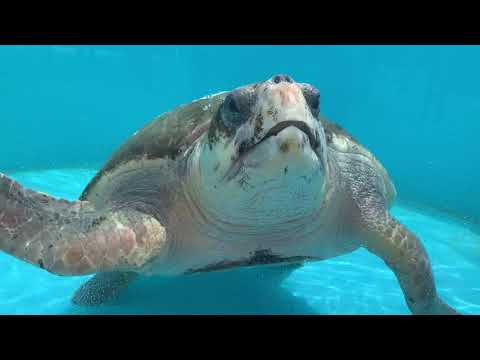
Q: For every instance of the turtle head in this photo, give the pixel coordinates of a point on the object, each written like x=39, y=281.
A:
x=266, y=134
x=271, y=126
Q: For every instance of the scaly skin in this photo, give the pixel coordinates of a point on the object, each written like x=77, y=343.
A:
x=103, y=287
x=384, y=236
x=72, y=238
x=405, y=255
x=254, y=135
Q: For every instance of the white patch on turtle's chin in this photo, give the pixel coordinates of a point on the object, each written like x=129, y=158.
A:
x=268, y=187
x=288, y=151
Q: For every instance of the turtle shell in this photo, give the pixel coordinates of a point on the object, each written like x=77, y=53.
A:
x=171, y=134
x=167, y=136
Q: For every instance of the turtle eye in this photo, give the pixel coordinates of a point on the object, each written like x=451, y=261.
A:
x=312, y=97
x=236, y=108
x=231, y=105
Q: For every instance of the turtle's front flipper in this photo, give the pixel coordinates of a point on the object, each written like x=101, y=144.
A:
x=405, y=255
x=74, y=238
x=103, y=287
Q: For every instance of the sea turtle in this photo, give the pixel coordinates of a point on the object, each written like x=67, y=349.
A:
x=252, y=176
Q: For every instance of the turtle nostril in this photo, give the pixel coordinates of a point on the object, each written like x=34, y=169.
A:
x=282, y=78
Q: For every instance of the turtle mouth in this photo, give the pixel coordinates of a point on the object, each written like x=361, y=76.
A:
x=302, y=126
x=246, y=147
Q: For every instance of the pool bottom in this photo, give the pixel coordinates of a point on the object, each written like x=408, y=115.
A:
x=356, y=283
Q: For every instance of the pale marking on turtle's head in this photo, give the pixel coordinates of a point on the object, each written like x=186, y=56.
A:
x=258, y=131
x=340, y=142
x=213, y=95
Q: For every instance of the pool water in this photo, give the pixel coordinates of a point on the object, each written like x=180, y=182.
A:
x=356, y=283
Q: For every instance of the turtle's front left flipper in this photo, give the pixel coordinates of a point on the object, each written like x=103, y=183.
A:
x=405, y=255
x=73, y=238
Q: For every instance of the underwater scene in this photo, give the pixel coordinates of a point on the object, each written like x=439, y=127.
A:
x=235, y=179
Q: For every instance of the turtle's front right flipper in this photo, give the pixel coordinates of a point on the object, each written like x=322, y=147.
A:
x=73, y=238
x=403, y=252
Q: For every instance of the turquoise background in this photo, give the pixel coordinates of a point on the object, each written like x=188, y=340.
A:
x=416, y=107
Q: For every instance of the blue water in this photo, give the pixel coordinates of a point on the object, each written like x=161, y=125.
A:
x=417, y=108
x=357, y=283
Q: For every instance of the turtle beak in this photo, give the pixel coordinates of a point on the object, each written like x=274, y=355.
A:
x=276, y=131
